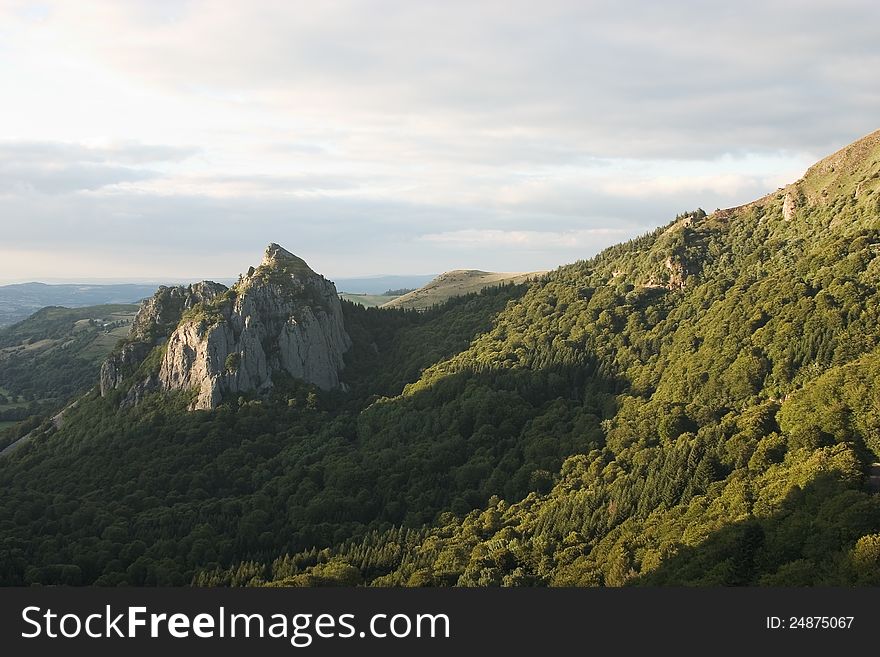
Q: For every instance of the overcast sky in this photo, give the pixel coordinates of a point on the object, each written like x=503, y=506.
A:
x=170, y=139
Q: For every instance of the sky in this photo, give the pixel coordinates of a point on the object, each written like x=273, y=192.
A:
x=174, y=139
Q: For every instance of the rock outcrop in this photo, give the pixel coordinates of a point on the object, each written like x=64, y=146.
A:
x=281, y=317
x=677, y=273
x=121, y=364
x=157, y=317
x=789, y=206
x=219, y=342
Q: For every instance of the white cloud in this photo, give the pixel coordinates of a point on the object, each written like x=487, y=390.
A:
x=525, y=239
x=426, y=119
x=59, y=168
x=726, y=184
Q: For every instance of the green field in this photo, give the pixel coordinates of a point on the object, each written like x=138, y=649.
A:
x=104, y=342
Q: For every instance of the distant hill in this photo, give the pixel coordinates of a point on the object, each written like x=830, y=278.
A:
x=380, y=284
x=22, y=299
x=368, y=300
x=456, y=283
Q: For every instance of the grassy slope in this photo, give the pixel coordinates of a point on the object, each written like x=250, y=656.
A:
x=55, y=322
x=456, y=283
x=367, y=300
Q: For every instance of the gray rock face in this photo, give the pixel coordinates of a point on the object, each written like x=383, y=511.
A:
x=281, y=317
x=157, y=317
x=138, y=391
x=789, y=206
x=122, y=364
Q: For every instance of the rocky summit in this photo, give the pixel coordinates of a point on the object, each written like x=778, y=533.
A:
x=217, y=341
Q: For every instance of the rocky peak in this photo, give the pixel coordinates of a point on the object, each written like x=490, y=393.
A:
x=278, y=256
x=281, y=317
x=288, y=275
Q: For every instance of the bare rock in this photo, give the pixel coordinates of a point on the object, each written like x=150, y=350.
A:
x=677, y=274
x=157, y=317
x=789, y=205
x=121, y=364
x=139, y=390
x=281, y=317
x=160, y=314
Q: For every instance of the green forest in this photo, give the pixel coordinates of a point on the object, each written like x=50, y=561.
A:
x=697, y=406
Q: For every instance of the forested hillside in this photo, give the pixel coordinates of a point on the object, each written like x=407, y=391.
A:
x=697, y=406
x=147, y=495
x=52, y=356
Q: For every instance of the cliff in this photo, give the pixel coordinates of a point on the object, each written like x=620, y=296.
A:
x=219, y=342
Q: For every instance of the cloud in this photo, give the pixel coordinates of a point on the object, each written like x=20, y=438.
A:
x=725, y=184
x=120, y=153
x=62, y=179
x=146, y=235
x=526, y=239
x=59, y=168
x=635, y=79
x=393, y=136
x=255, y=185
